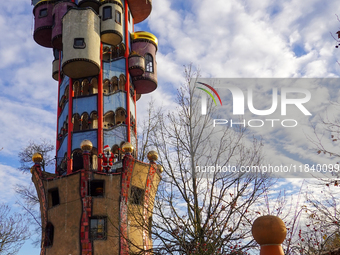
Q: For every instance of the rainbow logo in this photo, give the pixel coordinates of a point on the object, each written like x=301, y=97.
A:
x=208, y=92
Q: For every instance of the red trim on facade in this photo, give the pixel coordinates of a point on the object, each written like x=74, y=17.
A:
x=100, y=109
x=127, y=84
x=58, y=114
x=135, y=130
x=85, y=239
x=70, y=127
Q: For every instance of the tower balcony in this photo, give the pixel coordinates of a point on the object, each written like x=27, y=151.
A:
x=43, y=22
x=140, y=9
x=144, y=47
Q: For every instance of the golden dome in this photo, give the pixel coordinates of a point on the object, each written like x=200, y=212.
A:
x=152, y=156
x=269, y=229
x=160, y=168
x=86, y=145
x=144, y=35
x=127, y=147
x=37, y=158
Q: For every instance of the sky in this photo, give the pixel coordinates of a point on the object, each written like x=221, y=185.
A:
x=224, y=39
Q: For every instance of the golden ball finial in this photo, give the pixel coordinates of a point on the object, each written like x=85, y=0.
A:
x=152, y=156
x=160, y=168
x=269, y=229
x=127, y=147
x=86, y=145
x=37, y=158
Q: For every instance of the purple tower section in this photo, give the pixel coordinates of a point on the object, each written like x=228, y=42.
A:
x=43, y=23
x=59, y=11
x=146, y=82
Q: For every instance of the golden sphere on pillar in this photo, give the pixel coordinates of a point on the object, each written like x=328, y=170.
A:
x=127, y=147
x=152, y=156
x=86, y=145
x=37, y=157
x=269, y=229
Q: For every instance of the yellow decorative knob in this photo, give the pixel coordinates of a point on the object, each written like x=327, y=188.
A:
x=160, y=168
x=152, y=156
x=37, y=158
x=269, y=229
x=127, y=147
x=86, y=145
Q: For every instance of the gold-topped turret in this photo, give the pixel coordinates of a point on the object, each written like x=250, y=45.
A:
x=144, y=35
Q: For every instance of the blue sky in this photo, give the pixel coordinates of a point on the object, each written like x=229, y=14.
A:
x=224, y=39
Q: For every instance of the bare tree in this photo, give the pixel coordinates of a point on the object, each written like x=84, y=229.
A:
x=29, y=200
x=196, y=212
x=13, y=231
x=45, y=148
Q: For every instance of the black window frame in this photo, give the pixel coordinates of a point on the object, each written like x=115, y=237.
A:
x=136, y=195
x=49, y=235
x=93, y=185
x=75, y=46
x=53, y=195
x=110, y=14
x=94, y=235
x=149, y=63
x=41, y=14
x=129, y=16
x=119, y=17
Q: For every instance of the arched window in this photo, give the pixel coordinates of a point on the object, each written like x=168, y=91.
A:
x=114, y=82
x=77, y=157
x=49, y=234
x=109, y=120
x=66, y=92
x=76, y=122
x=106, y=86
x=121, y=151
x=115, y=150
x=85, y=125
x=65, y=128
x=94, y=86
x=94, y=120
x=85, y=87
x=121, y=50
x=62, y=102
x=132, y=121
x=94, y=159
x=76, y=89
x=121, y=82
x=148, y=63
x=114, y=52
x=120, y=116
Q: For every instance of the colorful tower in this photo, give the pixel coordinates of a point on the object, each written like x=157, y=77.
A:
x=100, y=199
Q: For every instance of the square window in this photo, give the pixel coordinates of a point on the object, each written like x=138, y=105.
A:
x=43, y=13
x=136, y=195
x=53, y=197
x=118, y=17
x=98, y=228
x=96, y=188
x=79, y=43
x=107, y=12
